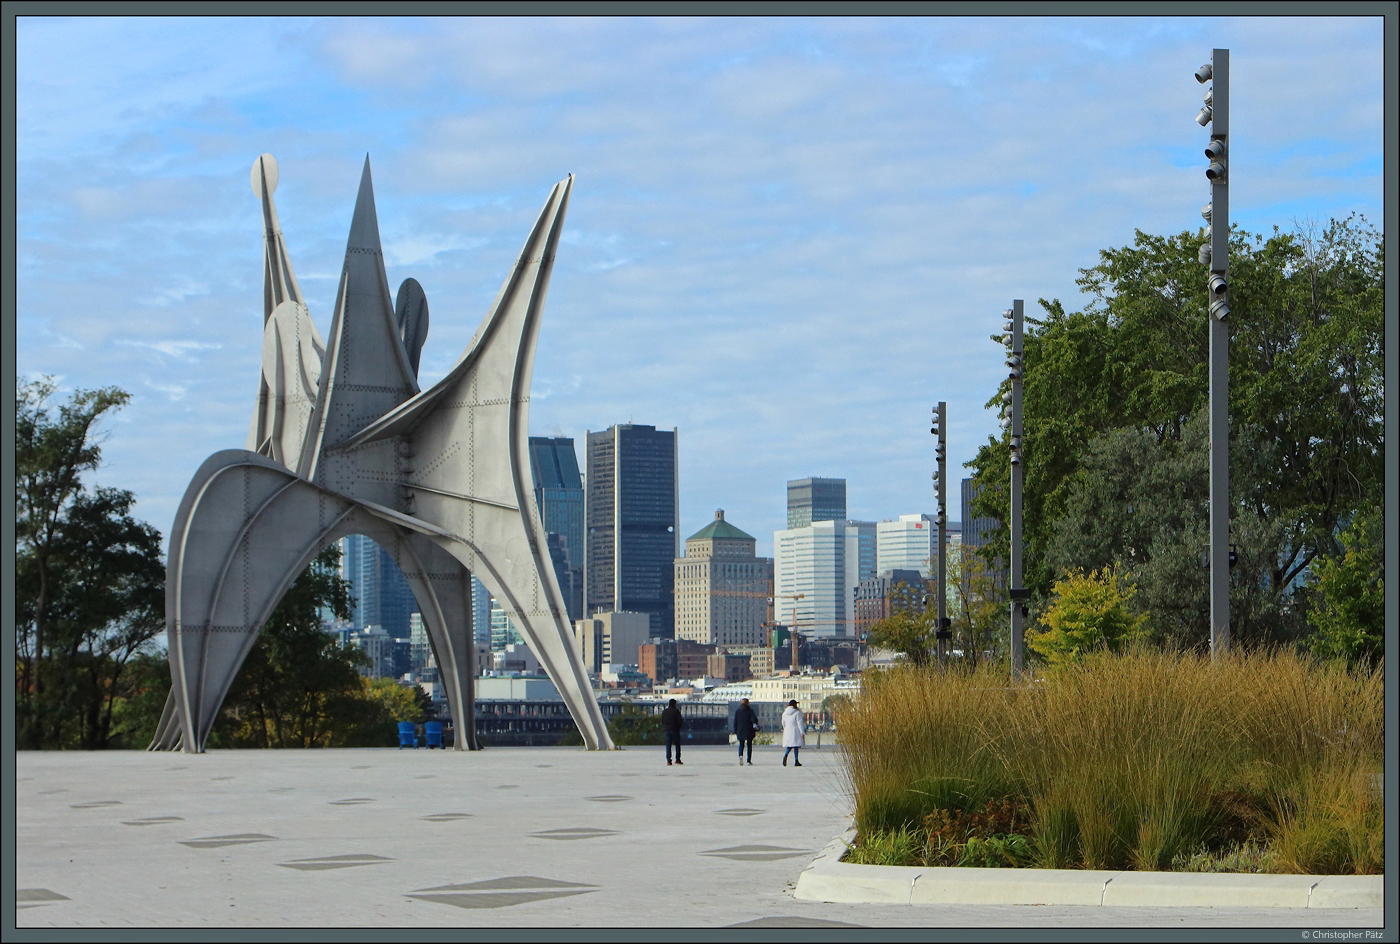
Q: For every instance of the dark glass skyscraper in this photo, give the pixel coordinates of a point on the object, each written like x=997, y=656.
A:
x=559, y=500
x=632, y=514
x=815, y=499
x=975, y=531
x=382, y=595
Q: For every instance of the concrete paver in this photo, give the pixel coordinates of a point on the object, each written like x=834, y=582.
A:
x=524, y=837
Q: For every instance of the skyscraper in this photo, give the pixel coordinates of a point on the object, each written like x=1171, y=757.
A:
x=975, y=531
x=382, y=595
x=632, y=514
x=814, y=499
x=559, y=500
x=816, y=570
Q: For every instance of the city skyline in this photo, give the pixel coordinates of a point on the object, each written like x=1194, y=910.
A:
x=791, y=270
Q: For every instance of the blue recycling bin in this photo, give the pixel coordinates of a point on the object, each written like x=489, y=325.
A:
x=432, y=734
x=406, y=735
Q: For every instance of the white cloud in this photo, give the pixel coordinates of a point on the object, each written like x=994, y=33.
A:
x=788, y=237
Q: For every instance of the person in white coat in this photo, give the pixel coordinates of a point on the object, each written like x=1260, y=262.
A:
x=794, y=733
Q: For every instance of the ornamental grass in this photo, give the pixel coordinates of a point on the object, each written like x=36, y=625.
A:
x=1145, y=760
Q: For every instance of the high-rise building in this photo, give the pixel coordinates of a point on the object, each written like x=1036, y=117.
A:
x=481, y=614
x=382, y=595
x=503, y=631
x=632, y=513
x=559, y=500
x=722, y=588
x=815, y=499
x=910, y=542
x=975, y=531
x=815, y=573
x=611, y=638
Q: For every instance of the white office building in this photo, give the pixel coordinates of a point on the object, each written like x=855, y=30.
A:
x=815, y=572
x=910, y=542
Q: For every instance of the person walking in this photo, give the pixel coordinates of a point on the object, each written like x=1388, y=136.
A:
x=671, y=723
x=794, y=734
x=745, y=727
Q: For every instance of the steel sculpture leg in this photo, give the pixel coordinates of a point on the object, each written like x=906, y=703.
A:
x=246, y=529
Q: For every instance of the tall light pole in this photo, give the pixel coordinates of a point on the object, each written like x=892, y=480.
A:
x=940, y=491
x=1216, y=255
x=1011, y=421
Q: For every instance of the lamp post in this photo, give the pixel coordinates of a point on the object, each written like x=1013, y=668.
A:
x=1011, y=422
x=1216, y=256
x=939, y=428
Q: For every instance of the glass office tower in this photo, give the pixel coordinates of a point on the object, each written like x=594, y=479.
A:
x=559, y=500
x=632, y=515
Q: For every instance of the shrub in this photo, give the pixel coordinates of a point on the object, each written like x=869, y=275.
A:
x=1143, y=760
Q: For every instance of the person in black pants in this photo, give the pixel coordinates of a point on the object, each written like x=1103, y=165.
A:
x=671, y=723
x=745, y=727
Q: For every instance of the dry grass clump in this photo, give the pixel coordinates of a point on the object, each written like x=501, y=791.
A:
x=1132, y=761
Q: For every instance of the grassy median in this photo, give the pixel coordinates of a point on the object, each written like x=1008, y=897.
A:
x=1145, y=760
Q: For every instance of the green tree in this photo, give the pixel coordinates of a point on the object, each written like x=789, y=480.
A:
x=1112, y=391
x=385, y=703
x=88, y=577
x=632, y=726
x=1090, y=612
x=1349, y=609
x=908, y=632
x=978, y=606
x=298, y=687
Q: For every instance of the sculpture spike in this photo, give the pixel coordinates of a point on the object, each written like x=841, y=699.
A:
x=291, y=364
x=439, y=479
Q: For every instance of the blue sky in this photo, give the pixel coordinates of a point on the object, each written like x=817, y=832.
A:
x=788, y=238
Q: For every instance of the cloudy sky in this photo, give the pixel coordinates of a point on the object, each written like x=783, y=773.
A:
x=788, y=238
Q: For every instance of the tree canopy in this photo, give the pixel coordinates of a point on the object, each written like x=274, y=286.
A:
x=89, y=579
x=1114, y=419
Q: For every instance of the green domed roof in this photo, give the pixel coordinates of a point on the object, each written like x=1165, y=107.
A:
x=721, y=529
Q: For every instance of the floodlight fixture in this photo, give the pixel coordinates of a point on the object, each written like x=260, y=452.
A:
x=1215, y=150
x=1219, y=309
x=1203, y=116
x=1203, y=74
x=1203, y=254
x=1205, y=212
x=1217, y=285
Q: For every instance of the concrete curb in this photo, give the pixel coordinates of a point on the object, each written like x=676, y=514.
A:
x=828, y=879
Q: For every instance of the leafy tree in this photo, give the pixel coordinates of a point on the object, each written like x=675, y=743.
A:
x=88, y=577
x=383, y=704
x=834, y=703
x=979, y=608
x=908, y=632
x=1349, y=611
x=299, y=687
x=632, y=726
x=1090, y=612
x=147, y=685
x=1112, y=392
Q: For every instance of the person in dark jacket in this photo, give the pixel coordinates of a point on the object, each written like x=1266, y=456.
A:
x=671, y=723
x=745, y=727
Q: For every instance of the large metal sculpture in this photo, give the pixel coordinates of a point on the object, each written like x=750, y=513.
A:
x=343, y=441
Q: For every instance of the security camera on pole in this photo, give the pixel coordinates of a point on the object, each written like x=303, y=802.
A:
x=940, y=491
x=1216, y=256
x=1011, y=422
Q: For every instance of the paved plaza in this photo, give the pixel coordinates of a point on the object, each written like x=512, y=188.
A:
x=506, y=837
